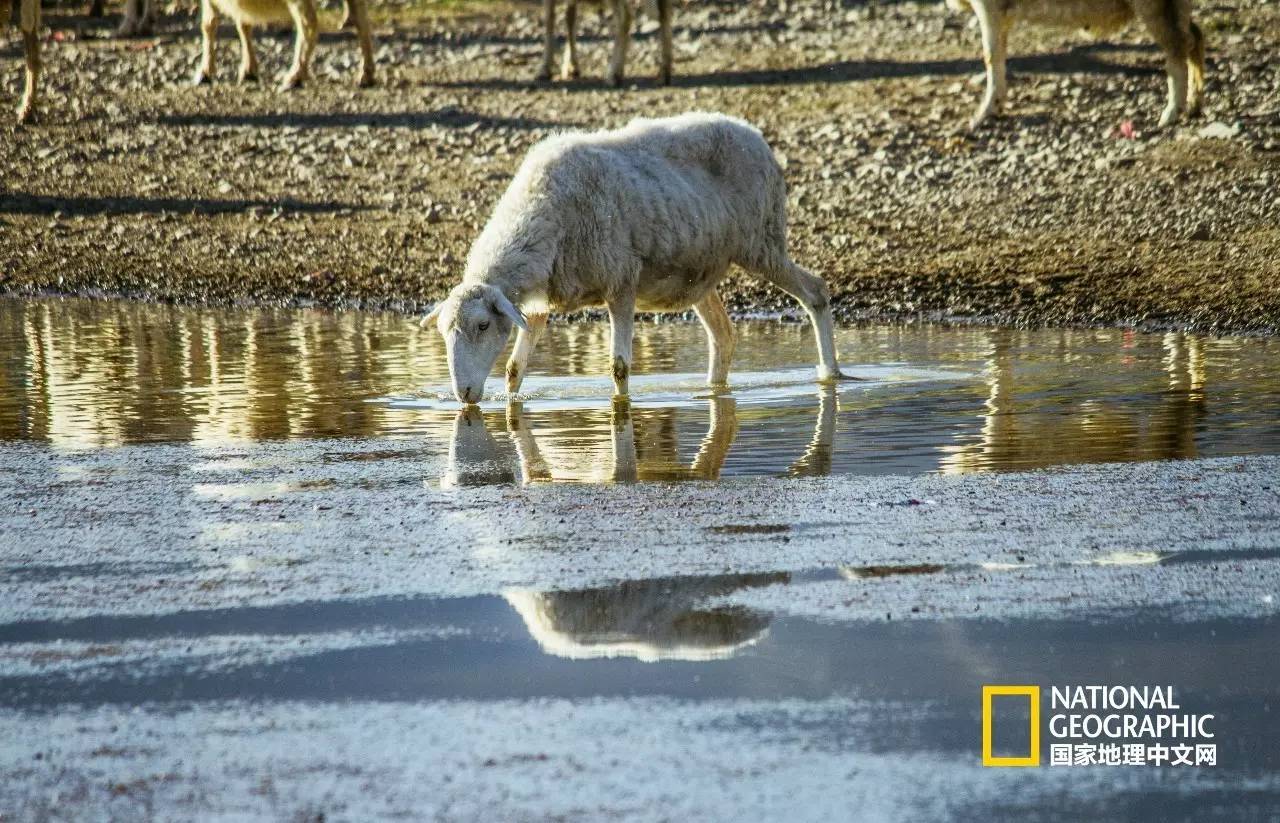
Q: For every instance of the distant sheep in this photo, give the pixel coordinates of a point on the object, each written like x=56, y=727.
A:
x=29, y=25
x=647, y=217
x=1167, y=21
x=622, y=21
x=248, y=13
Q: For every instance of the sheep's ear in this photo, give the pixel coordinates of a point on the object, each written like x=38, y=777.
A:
x=431, y=315
x=505, y=306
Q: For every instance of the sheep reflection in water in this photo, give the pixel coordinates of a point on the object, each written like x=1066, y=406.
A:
x=643, y=446
x=665, y=619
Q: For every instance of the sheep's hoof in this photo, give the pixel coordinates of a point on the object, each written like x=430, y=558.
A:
x=616, y=80
x=542, y=78
x=366, y=80
x=26, y=114
x=202, y=78
x=293, y=81
x=1169, y=118
x=570, y=71
x=250, y=76
x=664, y=77
x=135, y=28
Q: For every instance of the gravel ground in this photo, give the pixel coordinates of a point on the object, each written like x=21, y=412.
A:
x=133, y=183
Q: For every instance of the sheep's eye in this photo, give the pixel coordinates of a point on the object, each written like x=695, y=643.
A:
x=484, y=325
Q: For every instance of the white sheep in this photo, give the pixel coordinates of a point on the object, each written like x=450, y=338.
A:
x=29, y=24
x=648, y=217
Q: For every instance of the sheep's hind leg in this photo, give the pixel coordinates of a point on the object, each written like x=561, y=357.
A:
x=1177, y=44
x=29, y=21
x=208, y=41
x=621, y=39
x=518, y=363
x=1195, y=72
x=548, y=40
x=248, y=57
x=813, y=294
x=569, y=68
x=364, y=36
x=721, y=338
x=995, y=31
x=305, y=25
x=622, y=318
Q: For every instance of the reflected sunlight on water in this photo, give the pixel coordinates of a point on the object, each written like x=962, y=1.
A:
x=81, y=374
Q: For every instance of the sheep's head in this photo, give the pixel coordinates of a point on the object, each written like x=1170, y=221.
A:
x=475, y=322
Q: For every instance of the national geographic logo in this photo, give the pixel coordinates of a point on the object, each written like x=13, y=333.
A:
x=1094, y=725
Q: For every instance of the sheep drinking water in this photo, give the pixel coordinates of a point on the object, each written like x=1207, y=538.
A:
x=648, y=217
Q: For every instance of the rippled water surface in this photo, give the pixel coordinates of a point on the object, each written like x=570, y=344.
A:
x=78, y=373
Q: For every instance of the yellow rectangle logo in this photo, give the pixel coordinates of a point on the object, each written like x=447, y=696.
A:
x=1032, y=693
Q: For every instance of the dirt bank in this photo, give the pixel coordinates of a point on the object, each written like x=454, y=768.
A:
x=135, y=183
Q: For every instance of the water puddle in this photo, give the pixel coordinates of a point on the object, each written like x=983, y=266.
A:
x=77, y=374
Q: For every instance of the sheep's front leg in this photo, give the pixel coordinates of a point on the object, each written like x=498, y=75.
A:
x=569, y=67
x=621, y=39
x=248, y=57
x=994, y=39
x=29, y=22
x=548, y=40
x=720, y=337
x=525, y=343
x=813, y=294
x=664, y=22
x=305, y=25
x=622, y=319
x=208, y=40
x=364, y=35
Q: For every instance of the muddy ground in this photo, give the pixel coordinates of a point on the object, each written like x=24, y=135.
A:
x=134, y=183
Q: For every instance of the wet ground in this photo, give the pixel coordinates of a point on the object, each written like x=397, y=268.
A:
x=252, y=566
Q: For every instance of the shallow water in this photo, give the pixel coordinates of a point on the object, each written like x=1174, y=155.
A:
x=77, y=373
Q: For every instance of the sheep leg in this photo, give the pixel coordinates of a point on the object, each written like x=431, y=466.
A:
x=812, y=293
x=721, y=433
x=525, y=343
x=29, y=22
x=664, y=22
x=364, y=37
x=623, y=439
x=816, y=460
x=621, y=39
x=548, y=40
x=532, y=465
x=248, y=57
x=622, y=318
x=1169, y=26
x=139, y=18
x=303, y=13
x=569, y=68
x=1195, y=72
x=720, y=337
x=208, y=40
x=994, y=39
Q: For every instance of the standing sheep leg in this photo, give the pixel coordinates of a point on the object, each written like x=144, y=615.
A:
x=525, y=343
x=621, y=39
x=569, y=68
x=548, y=40
x=1195, y=72
x=29, y=21
x=622, y=318
x=994, y=41
x=720, y=337
x=1166, y=27
x=139, y=18
x=208, y=40
x=303, y=13
x=248, y=57
x=664, y=22
x=813, y=294
x=364, y=36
